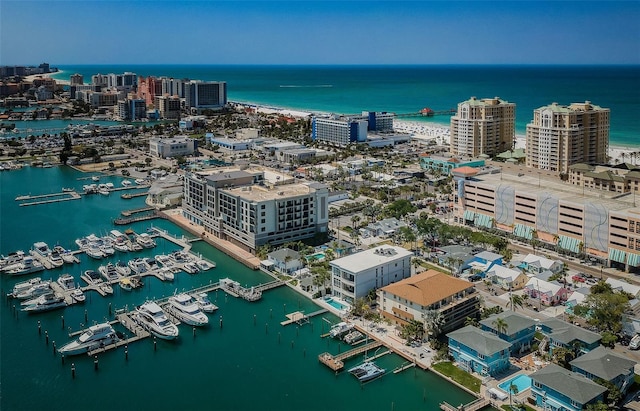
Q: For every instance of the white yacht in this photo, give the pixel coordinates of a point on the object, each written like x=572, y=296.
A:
x=27, y=266
x=42, y=249
x=204, y=265
x=125, y=284
x=45, y=302
x=339, y=329
x=126, y=183
x=24, y=286
x=202, y=299
x=139, y=181
x=134, y=246
x=367, y=371
x=186, y=309
x=11, y=259
x=91, y=277
x=150, y=316
x=138, y=266
x=95, y=178
x=94, y=252
x=78, y=296
x=166, y=274
x=55, y=259
x=104, y=191
x=109, y=185
x=109, y=272
x=67, y=282
x=145, y=240
x=96, y=336
x=191, y=268
x=123, y=269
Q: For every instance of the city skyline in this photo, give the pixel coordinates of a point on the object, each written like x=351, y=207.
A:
x=313, y=32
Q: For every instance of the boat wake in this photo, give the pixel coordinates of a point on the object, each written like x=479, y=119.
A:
x=306, y=86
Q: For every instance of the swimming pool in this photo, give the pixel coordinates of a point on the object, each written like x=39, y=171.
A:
x=335, y=304
x=522, y=381
x=316, y=257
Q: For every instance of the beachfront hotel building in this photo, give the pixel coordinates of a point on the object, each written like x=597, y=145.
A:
x=339, y=131
x=168, y=106
x=132, y=108
x=250, y=210
x=601, y=225
x=76, y=79
x=200, y=95
x=560, y=136
x=429, y=295
x=355, y=275
x=483, y=126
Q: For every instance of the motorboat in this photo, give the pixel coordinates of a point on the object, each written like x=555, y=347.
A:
x=95, y=178
x=133, y=246
x=139, y=181
x=180, y=257
x=126, y=183
x=68, y=257
x=94, y=337
x=109, y=272
x=339, y=329
x=163, y=260
x=107, y=249
x=24, y=286
x=202, y=299
x=204, y=265
x=27, y=266
x=121, y=245
x=45, y=302
x=68, y=190
x=11, y=259
x=94, y=252
x=42, y=249
x=123, y=269
x=66, y=282
x=109, y=185
x=55, y=259
x=353, y=337
x=145, y=240
x=138, y=266
x=78, y=296
x=151, y=317
x=367, y=371
x=104, y=191
x=125, y=284
x=191, y=268
x=166, y=274
x=186, y=309
x=91, y=277
x=105, y=288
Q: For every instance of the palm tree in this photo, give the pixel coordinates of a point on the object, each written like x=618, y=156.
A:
x=516, y=301
x=500, y=325
x=471, y=321
x=354, y=221
x=513, y=389
x=433, y=322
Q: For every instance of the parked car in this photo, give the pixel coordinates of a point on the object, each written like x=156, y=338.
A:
x=475, y=278
x=578, y=278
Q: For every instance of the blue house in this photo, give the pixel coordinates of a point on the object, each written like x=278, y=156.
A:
x=558, y=389
x=519, y=332
x=482, y=262
x=560, y=333
x=603, y=363
x=478, y=351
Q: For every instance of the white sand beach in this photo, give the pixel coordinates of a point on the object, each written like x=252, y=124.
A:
x=46, y=75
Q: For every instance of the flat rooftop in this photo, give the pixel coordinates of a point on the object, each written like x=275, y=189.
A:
x=262, y=193
x=531, y=184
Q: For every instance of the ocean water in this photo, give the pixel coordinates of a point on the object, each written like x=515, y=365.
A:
x=251, y=362
x=408, y=89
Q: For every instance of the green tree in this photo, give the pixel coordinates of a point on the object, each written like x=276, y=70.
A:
x=604, y=310
x=500, y=325
x=563, y=356
x=400, y=208
x=471, y=321
x=608, y=339
x=613, y=394
x=515, y=301
x=598, y=406
x=513, y=389
x=433, y=322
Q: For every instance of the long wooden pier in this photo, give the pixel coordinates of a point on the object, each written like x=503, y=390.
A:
x=300, y=317
x=129, y=213
x=48, y=198
x=130, y=220
x=475, y=405
x=128, y=196
x=335, y=362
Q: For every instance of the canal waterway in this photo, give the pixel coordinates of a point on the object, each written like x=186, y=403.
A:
x=250, y=362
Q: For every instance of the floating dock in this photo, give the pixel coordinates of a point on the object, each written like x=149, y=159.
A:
x=335, y=362
x=300, y=317
x=48, y=198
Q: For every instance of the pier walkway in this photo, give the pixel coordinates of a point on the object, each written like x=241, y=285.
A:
x=47, y=198
x=300, y=317
x=128, y=196
x=478, y=404
x=335, y=362
x=129, y=213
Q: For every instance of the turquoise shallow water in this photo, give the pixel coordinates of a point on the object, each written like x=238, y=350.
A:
x=405, y=89
x=244, y=365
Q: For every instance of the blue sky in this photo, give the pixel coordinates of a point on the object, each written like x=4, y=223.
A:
x=319, y=32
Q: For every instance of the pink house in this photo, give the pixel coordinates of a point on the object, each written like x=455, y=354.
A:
x=549, y=293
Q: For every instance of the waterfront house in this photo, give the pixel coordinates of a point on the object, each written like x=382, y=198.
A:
x=430, y=294
x=535, y=264
x=560, y=333
x=549, y=293
x=558, y=389
x=603, y=363
x=285, y=260
x=507, y=278
x=478, y=351
x=355, y=275
x=519, y=330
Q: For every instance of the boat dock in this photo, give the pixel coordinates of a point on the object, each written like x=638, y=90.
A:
x=404, y=366
x=129, y=213
x=136, y=329
x=128, y=196
x=47, y=198
x=478, y=404
x=130, y=220
x=300, y=317
x=335, y=362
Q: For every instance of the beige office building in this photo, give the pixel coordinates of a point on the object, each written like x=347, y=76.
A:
x=560, y=136
x=485, y=126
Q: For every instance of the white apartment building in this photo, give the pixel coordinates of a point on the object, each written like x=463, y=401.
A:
x=485, y=126
x=200, y=95
x=238, y=206
x=560, y=136
x=355, y=275
x=339, y=131
x=165, y=147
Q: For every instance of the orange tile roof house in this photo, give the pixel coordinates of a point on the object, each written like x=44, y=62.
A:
x=428, y=295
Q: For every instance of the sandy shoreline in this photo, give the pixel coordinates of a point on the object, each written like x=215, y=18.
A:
x=48, y=75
